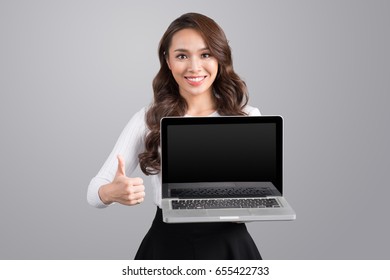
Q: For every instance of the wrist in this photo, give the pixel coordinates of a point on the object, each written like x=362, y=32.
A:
x=104, y=195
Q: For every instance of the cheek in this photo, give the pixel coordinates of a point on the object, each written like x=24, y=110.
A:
x=175, y=68
x=213, y=68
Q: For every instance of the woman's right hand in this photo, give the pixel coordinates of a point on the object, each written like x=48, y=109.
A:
x=124, y=190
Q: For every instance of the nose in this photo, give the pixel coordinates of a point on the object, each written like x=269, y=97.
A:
x=195, y=64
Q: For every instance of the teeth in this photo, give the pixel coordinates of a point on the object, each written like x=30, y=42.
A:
x=197, y=79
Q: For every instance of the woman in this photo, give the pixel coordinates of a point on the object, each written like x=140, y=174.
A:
x=196, y=78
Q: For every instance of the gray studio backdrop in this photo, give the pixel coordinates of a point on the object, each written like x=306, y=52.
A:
x=72, y=73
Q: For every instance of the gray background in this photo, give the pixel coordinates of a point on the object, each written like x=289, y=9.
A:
x=72, y=73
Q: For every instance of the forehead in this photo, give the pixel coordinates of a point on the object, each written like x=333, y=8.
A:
x=188, y=39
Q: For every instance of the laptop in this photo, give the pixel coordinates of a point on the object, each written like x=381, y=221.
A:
x=223, y=169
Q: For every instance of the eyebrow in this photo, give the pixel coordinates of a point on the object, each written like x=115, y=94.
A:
x=184, y=50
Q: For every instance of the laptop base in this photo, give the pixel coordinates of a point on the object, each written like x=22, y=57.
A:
x=284, y=213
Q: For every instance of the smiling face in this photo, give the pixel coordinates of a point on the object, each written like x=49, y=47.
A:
x=191, y=64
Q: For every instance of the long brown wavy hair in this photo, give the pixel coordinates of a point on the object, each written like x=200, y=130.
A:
x=229, y=91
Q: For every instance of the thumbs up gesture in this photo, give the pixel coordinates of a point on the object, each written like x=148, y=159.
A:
x=124, y=190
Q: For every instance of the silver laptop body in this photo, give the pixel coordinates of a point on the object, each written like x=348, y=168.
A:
x=223, y=169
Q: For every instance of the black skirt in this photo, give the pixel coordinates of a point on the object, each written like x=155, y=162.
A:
x=197, y=241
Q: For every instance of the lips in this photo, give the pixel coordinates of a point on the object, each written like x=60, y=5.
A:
x=195, y=80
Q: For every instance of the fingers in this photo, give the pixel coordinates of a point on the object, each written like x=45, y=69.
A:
x=134, y=191
x=121, y=171
x=136, y=181
x=135, y=198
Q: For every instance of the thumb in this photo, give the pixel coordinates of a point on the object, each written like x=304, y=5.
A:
x=121, y=167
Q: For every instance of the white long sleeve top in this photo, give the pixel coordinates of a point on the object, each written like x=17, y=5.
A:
x=130, y=144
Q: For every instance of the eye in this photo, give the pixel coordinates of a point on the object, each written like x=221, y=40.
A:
x=181, y=56
x=206, y=55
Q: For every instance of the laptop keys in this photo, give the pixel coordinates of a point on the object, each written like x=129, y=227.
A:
x=225, y=203
x=219, y=192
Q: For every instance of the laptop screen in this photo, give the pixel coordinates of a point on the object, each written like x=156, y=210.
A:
x=222, y=149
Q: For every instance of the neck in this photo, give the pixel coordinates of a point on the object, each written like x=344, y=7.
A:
x=201, y=105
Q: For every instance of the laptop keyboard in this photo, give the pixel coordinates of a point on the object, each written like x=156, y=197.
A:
x=225, y=203
x=221, y=192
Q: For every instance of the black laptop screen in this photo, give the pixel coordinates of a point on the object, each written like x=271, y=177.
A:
x=212, y=150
